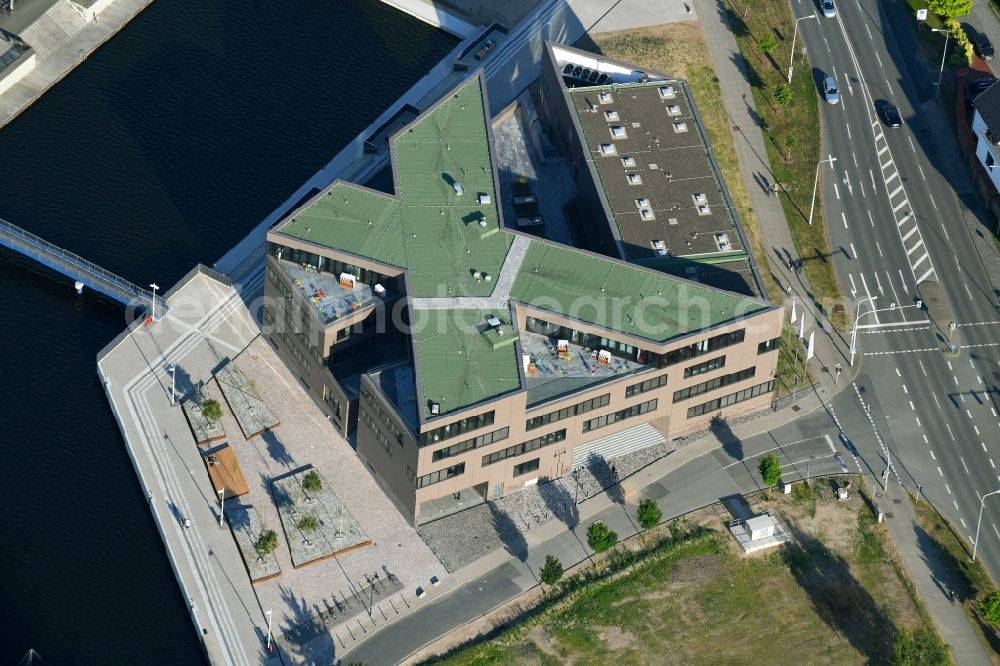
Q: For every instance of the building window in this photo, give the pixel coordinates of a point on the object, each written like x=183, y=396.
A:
x=470, y=444
x=712, y=384
x=566, y=412
x=648, y=385
x=525, y=447
x=731, y=399
x=441, y=475
x=620, y=415
x=526, y=467
x=382, y=415
x=380, y=437
x=768, y=346
x=457, y=428
x=990, y=162
x=707, y=366
x=700, y=348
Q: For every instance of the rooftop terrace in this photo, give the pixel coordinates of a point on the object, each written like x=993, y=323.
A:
x=462, y=270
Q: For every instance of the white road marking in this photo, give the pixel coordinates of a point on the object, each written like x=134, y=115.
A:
x=932, y=200
x=963, y=464
x=827, y=45
x=873, y=187
x=950, y=433
x=911, y=144
x=948, y=488
x=918, y=421
x=912, y=407
x=996, y=530
x=905, y=390
x=933, y=457
x=898, y=373
x=922, y=368
x=945, y=232
x=842, y=216
x=992, y=464
x=962, y=520
x=854, y=253
x=940, y=472
x=869, y=33
x=879, y=248
x=925, y=439
x=836, y=190
x=983, y=444
x=936, y=400
x=849, y=136
x=921, y=172
x=967, y=290
x=969, y=413
x=853, y=156
x=876, y=57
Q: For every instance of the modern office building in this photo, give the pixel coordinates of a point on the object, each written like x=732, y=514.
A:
x=476, y=360
x=649, y=186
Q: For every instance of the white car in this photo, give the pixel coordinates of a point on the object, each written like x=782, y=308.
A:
x=831, y=91
x=829, y=9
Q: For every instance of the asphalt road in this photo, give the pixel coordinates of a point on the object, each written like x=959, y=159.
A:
x=893, y=203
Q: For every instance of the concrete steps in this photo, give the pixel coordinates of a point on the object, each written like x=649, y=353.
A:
x=617, y=444
x=53, y=28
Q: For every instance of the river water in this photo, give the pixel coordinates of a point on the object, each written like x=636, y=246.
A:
x=162, y=150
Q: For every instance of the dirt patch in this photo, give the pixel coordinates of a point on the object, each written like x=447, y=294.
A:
x=544, y=641
x=695, y=571
x=616, y=638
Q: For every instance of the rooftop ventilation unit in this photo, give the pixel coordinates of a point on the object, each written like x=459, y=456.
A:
x=608, y=149
x=605, y=98
x=435, y=409
x=647, y=215
x=722, y=240
x=659, y=247
x=673, y=110
x=458, y=188
x=628, y=161
x=699, y=198
x=634, y=179
x=484, y=200
x=495, y=324
x=642, y=203
x=704, y=210
x=610, y=115
x=680, y=128
x=667, y=92
x=618, y=132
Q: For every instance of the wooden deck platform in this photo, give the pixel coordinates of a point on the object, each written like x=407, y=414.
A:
x=224, y=471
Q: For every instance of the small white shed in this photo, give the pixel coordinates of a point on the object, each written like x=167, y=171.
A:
x=760, y=527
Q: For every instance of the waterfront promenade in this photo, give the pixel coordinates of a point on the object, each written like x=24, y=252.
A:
x=207, y=322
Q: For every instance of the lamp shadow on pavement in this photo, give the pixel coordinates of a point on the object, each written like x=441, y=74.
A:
x=510, y=535
x=837, y=597
x=276, y=449
x=560, y=503
x=302, y=634
x=607, y=475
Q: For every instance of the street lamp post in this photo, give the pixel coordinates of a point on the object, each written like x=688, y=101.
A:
x=979, y=523
x=831, y=159
x=173, y=384
x=152, y=309
x=947, y=34
x=269, y=646
x=791, y=56
x=808, y=460
x=222, y=505
x=854, y=329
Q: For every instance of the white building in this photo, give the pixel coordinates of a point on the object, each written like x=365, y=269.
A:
x=986, y=130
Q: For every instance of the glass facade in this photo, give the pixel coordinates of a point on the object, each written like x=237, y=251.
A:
x=327, y=265
x=706, y=366
x=525, y=447
x=588, y=340
x=566, y=412
x=768, y=345
x=526, y=467
x=457, y=428
x=648, y=385
x=470, y=444
x=441, y=475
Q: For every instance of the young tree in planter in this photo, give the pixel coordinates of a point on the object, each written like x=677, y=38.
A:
x=266, y=543
x=311, y=483
x=770, y=470
x=551, y=571
x=600, y=537
x=212, y=410
x=648, y=513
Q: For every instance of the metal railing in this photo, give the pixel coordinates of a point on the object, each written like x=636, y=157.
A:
x=74, y=266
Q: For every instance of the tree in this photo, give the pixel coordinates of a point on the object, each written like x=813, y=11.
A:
x=770, y=470
x=308, y=524
x=950, y=8
x=648, y=513
x=767, y=43
x=311, y=483
x=211, y=410
x=782, y=94
x=600, y=538
x=551, y=571
x=266, y=543
x=922, y=647
x=989, y=608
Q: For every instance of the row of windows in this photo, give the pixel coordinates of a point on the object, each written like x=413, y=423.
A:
x=457, y=428
x=620, y=415
x=469, y=444
x=329, y=399
x=441, y=475
x=379, y=436
x=648, y=385
x=712, y=384
x=768, y=345
x=325, y=264
x=587, y=340
x=701, y=348
x=707, y=366
x=730, y=399
x=566, y=412
x=382, y=416
x=288, y=340
x=525, y=447
x=526, y=467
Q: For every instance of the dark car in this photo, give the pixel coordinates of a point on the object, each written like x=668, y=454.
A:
x=984, y=49
x=890, y=115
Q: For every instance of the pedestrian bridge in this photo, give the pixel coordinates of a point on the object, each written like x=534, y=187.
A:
x=76, y=267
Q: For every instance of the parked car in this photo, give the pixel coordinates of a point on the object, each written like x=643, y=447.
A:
x=983, y=47
x=829, y=9
x=831, y=91
x=890, y=115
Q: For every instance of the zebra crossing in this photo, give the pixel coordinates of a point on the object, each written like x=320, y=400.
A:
x=917, y=255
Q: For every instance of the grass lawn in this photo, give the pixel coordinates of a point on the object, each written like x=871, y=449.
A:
x=835, y=595
x=679, y=49
x=794, y=167
x=969, y=580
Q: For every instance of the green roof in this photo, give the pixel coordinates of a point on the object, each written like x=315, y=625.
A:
x=435, y=234
x=458, y=364
x=619, y=297
x=440, y=236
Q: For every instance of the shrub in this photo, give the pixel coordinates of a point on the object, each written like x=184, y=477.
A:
x=782, y=94
x=212, y=410
x=989, y=608
x=308, y=524
x=311, y=483
x=770, y=470
x=767, y=43
x=551, y=571
x=950, y=8
x=921, y=647
x=266, y=543
x=600, y=538
x=648, y=513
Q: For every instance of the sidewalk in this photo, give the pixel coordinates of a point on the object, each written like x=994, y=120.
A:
x=931, y=579
x=831, y=347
